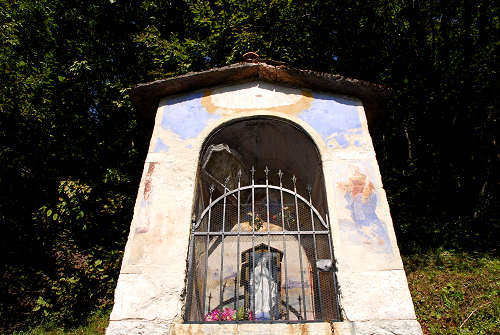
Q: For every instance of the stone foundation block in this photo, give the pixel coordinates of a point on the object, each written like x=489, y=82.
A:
x=387, y=327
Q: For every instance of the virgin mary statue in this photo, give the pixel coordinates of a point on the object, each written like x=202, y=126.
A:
x=264, y=291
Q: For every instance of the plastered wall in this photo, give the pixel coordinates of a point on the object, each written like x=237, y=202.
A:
x=374, y=295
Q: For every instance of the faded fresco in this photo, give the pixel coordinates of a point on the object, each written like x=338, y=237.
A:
x=144, y=210
x=185, y=116
x=143, y=217
x=364, y=227
x=338, y=120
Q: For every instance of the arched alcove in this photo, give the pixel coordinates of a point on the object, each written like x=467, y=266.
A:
x=260, y=247
x=272, y=142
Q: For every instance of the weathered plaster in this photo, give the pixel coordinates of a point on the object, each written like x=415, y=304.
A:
x=363, y=231
x=160, y=146
x=375, y=295
x=149, y=298
x=335, y=128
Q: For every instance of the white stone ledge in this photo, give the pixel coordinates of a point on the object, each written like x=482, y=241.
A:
x=380, y=327
x=387, y=327
x=340, y=328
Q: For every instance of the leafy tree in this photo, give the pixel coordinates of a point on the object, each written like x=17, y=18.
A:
x=70, y=166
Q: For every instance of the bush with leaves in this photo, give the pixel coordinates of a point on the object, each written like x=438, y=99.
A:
x=69, y=157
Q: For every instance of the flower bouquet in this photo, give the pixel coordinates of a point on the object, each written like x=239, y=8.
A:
x=259, y=223
x=288, y=217
x=229, y=314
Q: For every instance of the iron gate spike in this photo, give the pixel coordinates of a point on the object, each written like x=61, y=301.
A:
x=309, y=189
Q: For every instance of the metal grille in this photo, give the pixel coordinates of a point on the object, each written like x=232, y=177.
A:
x=261, y=253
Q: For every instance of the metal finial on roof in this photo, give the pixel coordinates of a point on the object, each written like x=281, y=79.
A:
x=250, y=56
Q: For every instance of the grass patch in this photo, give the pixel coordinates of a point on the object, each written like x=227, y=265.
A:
x=455, y=293
x=95, y=325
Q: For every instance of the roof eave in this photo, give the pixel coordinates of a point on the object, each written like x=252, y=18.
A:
x=146, y=96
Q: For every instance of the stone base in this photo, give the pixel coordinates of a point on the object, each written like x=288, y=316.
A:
x=387, y=327
x=381, y=327
x=138, y=327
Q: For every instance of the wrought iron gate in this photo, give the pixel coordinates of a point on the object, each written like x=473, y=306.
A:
x=261, y=253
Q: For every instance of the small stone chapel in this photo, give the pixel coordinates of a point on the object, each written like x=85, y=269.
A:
x=261, y=209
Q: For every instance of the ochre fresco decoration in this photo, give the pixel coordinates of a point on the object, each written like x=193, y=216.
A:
x=143, y=226
x=365, y=228
x=303, y=103
x=143, y=217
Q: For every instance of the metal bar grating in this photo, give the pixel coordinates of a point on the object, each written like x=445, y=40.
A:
x=261, y=253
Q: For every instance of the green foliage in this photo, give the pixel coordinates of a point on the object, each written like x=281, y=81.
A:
x=95, y=325
x=69, y=165
x=455, y=293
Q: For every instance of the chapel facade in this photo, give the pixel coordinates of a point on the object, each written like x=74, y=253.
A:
x=261, y=209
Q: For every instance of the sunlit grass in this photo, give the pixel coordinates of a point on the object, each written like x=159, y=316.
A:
x=455, y=293
x=95, y=325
